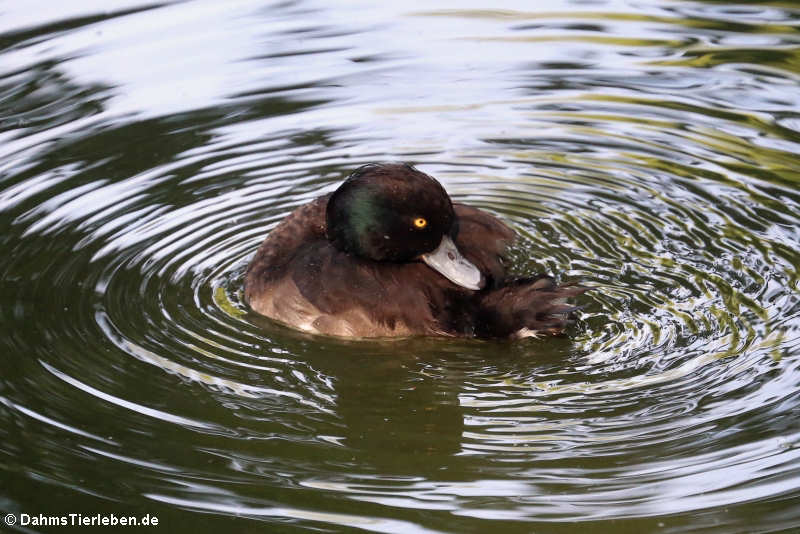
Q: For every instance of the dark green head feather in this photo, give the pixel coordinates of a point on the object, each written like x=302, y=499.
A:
x=373, y=213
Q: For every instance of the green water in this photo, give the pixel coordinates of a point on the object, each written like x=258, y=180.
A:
x=647, y=149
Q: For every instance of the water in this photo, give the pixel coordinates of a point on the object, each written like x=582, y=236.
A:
x=645, y=148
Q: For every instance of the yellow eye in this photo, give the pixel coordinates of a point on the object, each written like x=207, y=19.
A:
x=420, y=222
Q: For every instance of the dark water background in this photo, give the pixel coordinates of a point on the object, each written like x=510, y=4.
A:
x=647, y=148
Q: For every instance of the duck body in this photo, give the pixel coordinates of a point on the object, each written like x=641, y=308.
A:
x=389, y=255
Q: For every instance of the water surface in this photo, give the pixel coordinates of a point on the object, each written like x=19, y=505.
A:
x=647, y=149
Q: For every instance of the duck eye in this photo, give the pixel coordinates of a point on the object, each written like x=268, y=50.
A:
x=420, y=223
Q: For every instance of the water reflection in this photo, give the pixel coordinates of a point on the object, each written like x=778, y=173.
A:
x=647, y=150
x=431, y=422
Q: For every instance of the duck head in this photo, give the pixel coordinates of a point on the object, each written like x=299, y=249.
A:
x=395, y=213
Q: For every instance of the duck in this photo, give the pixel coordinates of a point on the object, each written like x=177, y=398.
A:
x=388, y=254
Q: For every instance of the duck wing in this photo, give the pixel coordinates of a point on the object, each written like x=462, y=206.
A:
x=524, y=307
x=527, y=307
x=483, y=239
x=304, y=225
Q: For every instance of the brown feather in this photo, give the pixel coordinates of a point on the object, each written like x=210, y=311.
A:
x=299, y=278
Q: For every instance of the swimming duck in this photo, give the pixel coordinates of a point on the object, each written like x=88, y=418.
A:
x=388, y=255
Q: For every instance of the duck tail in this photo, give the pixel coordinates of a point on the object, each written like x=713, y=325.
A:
x=528, y=307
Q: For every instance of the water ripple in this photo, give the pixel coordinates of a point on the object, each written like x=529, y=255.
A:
x=647, y=151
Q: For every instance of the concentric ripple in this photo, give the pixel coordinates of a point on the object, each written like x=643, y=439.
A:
x=646, y=150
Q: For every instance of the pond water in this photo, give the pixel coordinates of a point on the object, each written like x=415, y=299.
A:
x=646, y=148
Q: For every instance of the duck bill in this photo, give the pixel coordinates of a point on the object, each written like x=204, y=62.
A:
x=448, y=261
